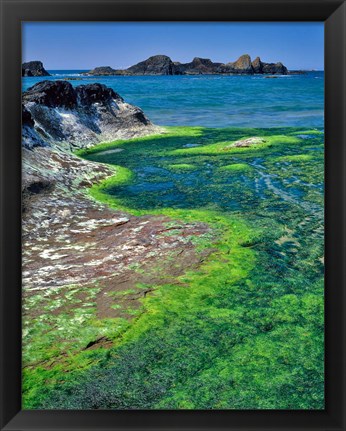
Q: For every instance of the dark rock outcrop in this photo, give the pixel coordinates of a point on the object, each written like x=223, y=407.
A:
x=155, y=65
x=163, y=65
x=102, y=70
x=55, y=111
x=268, y=68
x=27, y=119
x=198, y=66
x=257, y=65
x=52, y=94
x=105, y=71
x=240, y=67
x=96, y=93
x=274, y=69
x=34, y=68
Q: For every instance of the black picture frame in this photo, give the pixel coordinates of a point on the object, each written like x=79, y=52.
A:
x=13, y=13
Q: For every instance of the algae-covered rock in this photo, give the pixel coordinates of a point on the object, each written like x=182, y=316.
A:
x=245, y=143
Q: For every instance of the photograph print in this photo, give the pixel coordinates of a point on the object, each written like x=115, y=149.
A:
x=173, y=216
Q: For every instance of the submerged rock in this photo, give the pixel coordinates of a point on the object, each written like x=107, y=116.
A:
x=34, y=68
x=244, y=143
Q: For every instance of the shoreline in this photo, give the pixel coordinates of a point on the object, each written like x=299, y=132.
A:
x=102, y=342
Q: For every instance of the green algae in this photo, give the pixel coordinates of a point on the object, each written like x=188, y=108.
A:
x=295, y=158
x=245, y=330
x=236, y=167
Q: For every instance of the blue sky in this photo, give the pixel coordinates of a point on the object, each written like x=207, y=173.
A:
x=120, y=45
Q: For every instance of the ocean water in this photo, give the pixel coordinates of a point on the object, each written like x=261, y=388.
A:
x=216, y=100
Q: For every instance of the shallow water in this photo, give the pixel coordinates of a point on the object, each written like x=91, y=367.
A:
x=193, y=180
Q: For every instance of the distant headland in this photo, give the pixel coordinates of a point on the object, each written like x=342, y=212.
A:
x=163, y=65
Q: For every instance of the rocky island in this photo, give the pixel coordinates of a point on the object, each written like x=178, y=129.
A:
x=163, y=65
x=34, y=68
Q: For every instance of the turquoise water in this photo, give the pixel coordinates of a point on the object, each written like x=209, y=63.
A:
x=215, y=100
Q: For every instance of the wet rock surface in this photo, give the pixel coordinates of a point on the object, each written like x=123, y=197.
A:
x=52, y=94
x=245, y=143
x=70, y=239
x=56, y=113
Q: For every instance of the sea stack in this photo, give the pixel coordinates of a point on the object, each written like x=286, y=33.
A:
x=155, y=65
x=163, y=65
x=257, y=65
x=34, y=68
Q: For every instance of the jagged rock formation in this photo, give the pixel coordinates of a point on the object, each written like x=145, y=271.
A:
x=163, y=65
x=71, y=240
x=274, y=68
x=105, y=71
x=268, y=68
x=198, y=66
x=240, y=67
x=156, y=65
x=34, y=68
x=56, y=112
x=257, y=65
